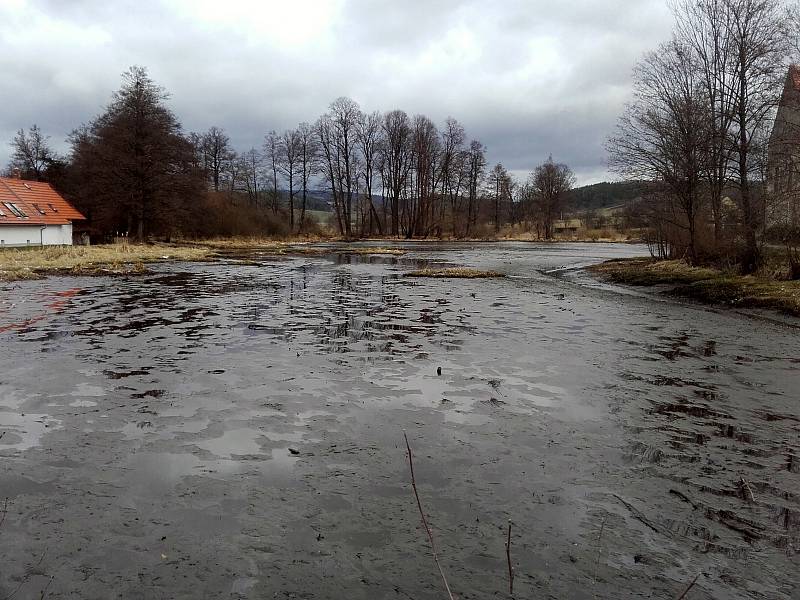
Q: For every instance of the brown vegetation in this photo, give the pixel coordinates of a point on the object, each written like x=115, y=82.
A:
x=118, y=259
x=705, y=284
x=455, y=273
x=695, y=134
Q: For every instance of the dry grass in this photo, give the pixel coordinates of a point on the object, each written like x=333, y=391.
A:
x=389, y=251
x=240, y=243
x=645, y=271
x=607, y=235
x=35, y=263
x=121, y=259
x=707, y=285
x=455, y=273
x=303, y=246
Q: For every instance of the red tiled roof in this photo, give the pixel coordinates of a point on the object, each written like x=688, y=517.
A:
x=41, y=204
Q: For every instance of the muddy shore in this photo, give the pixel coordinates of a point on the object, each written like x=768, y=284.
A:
x=234, y=430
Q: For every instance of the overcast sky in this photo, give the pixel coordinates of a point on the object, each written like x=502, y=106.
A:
x=528, y=78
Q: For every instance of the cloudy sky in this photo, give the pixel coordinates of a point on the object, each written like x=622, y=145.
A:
x=528, y=78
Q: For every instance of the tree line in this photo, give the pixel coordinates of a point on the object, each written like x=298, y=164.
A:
x=132, y=170
x=698, y=127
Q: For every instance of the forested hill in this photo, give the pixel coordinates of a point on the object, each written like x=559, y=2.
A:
x=603, y=195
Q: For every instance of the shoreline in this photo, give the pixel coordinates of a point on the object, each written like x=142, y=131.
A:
x=118, y=260
x=705, y=285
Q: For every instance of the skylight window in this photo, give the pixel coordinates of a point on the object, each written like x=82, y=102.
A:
x=15, y=209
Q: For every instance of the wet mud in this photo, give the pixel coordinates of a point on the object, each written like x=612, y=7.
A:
x=235, y=430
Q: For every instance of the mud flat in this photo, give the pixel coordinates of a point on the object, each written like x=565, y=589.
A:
x=230, y=430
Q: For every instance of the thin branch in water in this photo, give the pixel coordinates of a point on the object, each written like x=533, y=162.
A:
x=746, y=488
x=44, y=591
x=27, y=578
x=424, y=520
x=508, y=559
x=5, y=512
x=691, y=585
x=599, y=547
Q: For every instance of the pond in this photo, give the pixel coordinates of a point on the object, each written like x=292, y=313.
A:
x=235, y=429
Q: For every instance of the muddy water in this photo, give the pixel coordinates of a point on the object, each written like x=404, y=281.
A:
x=236, y=431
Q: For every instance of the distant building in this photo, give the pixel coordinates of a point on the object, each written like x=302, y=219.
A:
x=34, y=214
x=567, y=225
x=783, y=165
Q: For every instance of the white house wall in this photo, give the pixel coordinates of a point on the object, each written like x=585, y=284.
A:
x=34, y=235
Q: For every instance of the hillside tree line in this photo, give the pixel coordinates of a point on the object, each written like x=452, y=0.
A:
x=133, y=171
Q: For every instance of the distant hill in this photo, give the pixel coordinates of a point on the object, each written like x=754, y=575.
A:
x=603, y=195
x=597, y=196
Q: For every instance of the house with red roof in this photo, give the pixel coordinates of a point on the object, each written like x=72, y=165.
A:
x=32, y=213
x=783, y=165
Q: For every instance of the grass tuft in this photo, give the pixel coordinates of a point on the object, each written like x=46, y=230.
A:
x=455, y=273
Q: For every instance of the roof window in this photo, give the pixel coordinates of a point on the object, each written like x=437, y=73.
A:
x=15, y=209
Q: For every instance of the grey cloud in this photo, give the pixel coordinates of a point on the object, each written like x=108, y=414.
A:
x=528, y=77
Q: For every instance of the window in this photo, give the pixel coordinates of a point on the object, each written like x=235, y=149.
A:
x=2, y=213
x=39, y=209
x=16, y=209
x=13, y=209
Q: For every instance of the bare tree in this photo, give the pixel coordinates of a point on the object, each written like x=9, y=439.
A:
x=31, y=153
x=217, y=153
x=452, y=168
x=397, y=160
x=324, y=131
x=500, y=182
x=476, y=166
x=344, y=117
x=760, y=44
x=665, y=133
x=272, y=157
x=703, y=28
x=308, y=156
x=290, y=158
x=368, y=134
x=250, y=169
x=549, y=184
x=420, y=213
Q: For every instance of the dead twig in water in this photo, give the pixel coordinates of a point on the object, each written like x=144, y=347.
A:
x=44, y=591
x=746, y=487
x=599, y=547
x=424, y=520
x=508, y=559
x=5, y=512
x=637, y=514
x=691, y=585
x=684, y=497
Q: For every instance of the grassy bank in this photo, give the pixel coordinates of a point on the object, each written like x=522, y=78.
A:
x=118, y=259
x=129, y=259
x=707, y=285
